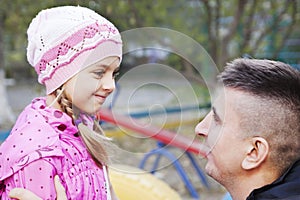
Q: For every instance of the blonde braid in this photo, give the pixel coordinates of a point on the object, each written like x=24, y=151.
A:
x=95, y=141
x=65, y=104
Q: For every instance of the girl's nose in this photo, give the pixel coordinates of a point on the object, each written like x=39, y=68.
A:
x=108, y=83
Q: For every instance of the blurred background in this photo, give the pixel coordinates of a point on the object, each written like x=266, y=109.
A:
x=225, y=29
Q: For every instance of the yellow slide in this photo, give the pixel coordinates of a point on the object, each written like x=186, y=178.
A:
x=131, y=183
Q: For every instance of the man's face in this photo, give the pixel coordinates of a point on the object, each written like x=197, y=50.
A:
x=222, y=134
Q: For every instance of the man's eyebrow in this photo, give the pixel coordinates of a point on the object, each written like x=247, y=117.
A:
x=215, y=114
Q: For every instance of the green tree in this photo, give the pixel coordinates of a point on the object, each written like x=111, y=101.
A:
x=15, y=17
x=6, y=115
x=226, y=29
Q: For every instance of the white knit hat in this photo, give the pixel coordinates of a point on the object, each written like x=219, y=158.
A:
x=64, y=40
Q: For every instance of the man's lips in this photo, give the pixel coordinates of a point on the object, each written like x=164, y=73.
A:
x=205, y=150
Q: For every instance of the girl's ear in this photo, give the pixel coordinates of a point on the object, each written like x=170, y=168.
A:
x=257, y=152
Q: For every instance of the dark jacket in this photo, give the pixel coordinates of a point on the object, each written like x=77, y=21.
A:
x=286, y=187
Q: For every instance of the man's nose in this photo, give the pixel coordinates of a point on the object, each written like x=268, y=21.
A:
x=202, y=127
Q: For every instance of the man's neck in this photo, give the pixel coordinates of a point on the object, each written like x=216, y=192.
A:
x=245, y=185
x=240, y=191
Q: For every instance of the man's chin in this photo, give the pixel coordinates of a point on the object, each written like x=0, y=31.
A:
x=209, y=166
x=208, y=171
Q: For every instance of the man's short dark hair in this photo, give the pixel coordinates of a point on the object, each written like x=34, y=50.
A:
x=276, y=85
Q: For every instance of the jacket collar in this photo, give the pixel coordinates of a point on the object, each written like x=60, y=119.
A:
x=286, y=186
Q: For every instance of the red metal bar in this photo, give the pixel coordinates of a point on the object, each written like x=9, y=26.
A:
x=165, y=136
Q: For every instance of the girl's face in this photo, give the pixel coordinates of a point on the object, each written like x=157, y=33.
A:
x=89, y=88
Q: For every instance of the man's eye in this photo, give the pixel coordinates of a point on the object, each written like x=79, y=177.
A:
x=115, y=74
x=216, y=118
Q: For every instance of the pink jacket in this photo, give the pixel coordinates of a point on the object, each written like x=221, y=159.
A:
x=43, y=143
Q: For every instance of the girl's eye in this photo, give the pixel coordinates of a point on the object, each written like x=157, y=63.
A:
x=115, y=74
x=99, y=74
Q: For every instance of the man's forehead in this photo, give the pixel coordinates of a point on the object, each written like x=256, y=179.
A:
x=228, y=98
x=218, y=96
x=232, y=98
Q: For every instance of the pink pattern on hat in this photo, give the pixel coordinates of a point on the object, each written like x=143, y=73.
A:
x=74, y=30
x=74, y=45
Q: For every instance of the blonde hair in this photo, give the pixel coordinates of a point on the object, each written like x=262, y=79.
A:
x=97, y=144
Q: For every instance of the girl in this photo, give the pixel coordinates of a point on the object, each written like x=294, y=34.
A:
x=76, y=54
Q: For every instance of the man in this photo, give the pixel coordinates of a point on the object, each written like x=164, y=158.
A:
x=252, y=133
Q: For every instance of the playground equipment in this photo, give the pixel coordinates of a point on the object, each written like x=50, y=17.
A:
x=165, y=138
x=3, y=135
x=132, y=183
x=162, y=151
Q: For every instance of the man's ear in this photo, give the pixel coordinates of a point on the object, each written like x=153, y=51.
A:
x=257, y=152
